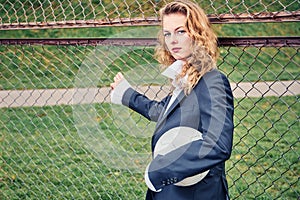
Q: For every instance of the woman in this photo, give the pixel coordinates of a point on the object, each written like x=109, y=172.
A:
x=201, y=103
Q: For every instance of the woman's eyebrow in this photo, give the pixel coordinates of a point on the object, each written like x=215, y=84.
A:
x=179, y=27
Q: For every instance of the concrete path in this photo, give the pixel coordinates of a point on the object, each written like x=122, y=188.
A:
x=72, y=96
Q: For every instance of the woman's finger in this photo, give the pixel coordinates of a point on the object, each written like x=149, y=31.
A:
x=120, y=75
x=117, y=79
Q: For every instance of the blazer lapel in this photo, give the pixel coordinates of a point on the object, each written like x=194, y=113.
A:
x=164, y=115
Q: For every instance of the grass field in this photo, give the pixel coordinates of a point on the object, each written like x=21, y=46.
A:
x=85, y=151
x=28, y=11
x=58, y=66
x=45, y=157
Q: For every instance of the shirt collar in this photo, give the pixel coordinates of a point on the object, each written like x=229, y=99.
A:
x=173, y=70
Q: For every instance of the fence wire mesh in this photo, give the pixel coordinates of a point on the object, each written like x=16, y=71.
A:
x=16, y=14
x=61, y=138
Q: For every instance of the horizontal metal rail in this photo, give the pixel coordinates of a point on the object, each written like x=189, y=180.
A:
x=260, y=41
x=214, y=18
x=222, y=41
x=255, y=17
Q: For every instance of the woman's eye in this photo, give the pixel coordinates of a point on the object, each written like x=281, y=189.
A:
x=180, y=32
x=167, y=34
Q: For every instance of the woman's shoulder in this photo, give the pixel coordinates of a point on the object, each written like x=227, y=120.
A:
x=214, y=72
x=214, y=76
x=213, y=80
x=214, y=83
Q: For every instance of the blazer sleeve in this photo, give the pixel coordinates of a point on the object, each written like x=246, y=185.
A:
x=216, y=121
x=124, y=94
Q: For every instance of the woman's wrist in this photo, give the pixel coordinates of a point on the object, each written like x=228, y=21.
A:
x=118, y=92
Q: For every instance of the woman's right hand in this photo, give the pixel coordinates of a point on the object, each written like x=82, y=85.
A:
x=117, y=79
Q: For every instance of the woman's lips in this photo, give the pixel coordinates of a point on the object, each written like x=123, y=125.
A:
x=176, y=49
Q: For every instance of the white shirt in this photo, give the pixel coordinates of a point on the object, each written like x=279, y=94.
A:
x=171, y=72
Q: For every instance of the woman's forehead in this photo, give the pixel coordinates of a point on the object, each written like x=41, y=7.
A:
x=173, y=21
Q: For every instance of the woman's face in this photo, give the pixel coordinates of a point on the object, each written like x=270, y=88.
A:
x=176, y=37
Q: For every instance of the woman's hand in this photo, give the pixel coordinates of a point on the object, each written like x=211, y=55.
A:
x=117, y=79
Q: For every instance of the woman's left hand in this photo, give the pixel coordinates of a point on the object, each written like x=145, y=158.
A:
x=117, y=79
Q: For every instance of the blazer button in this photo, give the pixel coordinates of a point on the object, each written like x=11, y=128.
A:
x=163, y=183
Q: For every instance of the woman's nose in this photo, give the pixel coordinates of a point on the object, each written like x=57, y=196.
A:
x=174, y=39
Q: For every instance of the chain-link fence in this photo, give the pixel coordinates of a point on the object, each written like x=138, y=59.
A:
x=61, y=138
x=48, y=14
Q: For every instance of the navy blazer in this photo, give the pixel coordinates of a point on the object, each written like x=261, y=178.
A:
x=208, y=109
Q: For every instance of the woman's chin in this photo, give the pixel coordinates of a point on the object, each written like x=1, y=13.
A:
x=177, y=57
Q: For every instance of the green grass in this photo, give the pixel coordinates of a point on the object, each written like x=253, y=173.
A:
x=40, y=67
x=29, y=67
x=264, y=164
x=260, y=64
x=18, y=11
x=222, y=30
x=45, y=157
x=46, y=154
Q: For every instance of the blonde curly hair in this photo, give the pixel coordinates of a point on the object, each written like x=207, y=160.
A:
x=205, y=50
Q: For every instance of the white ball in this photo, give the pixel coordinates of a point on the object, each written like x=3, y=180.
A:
x=175, y=138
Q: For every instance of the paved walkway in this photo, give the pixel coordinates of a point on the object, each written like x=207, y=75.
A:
x=72, y=96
